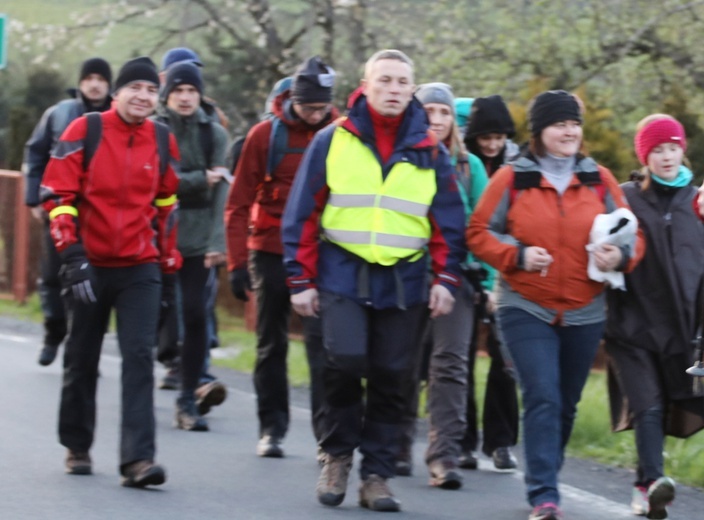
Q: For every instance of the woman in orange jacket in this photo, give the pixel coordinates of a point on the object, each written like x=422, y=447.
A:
x=533, y=224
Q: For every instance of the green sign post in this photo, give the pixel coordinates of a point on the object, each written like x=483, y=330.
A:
x=3, y=40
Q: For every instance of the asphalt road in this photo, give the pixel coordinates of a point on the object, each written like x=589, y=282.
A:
x=216, y=475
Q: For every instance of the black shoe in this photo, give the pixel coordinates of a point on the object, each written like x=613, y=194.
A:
x=187, y=416
x=270, y=446
x=468, y=460
x=172, y=380
x=47, y=355
x=143, y=473
x=444, y=474
x=504, y=459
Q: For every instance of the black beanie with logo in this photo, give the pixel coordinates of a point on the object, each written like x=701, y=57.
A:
x=183, y=73
x=313, y=82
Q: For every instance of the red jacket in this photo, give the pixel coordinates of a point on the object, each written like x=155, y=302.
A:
x=257, y=201
x=125, y=208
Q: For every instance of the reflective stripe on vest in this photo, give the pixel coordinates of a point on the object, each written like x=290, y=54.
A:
x=380, y=220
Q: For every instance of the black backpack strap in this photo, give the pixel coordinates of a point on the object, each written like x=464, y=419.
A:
x=235, y=153
x=94, y=132
x=205, y=132
x=162, y=145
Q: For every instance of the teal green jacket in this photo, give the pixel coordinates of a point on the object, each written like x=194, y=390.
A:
x=471, y=189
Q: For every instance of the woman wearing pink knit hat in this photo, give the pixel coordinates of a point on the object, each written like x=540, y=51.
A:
x=651, y=325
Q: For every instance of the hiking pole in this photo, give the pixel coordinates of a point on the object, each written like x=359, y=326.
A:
x=697, y=369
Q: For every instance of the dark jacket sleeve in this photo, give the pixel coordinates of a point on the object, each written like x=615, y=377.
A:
x=37, y=152
x=301, y=219
x=447, y=221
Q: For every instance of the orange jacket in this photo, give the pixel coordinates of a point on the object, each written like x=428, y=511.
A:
x=530, y=212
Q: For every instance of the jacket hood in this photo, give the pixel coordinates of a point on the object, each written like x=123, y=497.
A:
x=489, y=115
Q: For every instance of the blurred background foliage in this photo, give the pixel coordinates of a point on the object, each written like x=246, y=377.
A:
x=624, y=58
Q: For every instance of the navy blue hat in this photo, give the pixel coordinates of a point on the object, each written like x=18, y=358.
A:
x=312, y=82
x=183, y=73
x=137, y=69
x=179, y=54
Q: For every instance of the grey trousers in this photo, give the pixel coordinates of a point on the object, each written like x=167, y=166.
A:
x=447, y=377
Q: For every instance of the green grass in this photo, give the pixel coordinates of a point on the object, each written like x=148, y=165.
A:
x=591, y=439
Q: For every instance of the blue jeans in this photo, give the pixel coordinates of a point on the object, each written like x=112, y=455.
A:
x=552, y=363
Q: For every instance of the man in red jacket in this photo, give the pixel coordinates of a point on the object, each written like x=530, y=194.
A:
x=263, y=178
x=112, y=212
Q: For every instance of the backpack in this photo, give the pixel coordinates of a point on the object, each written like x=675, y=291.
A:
x=94, y=133
x=278, y=147
x=532, y=179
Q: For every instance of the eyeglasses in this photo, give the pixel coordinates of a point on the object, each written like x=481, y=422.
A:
x=310, y=110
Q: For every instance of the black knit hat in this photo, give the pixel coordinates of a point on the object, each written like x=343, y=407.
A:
x=96, y=66
x=489, y=115
x=552, y=107
x=137, y=69
x=182, y=73
x=312, y=82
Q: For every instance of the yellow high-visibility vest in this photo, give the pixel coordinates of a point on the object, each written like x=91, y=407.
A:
x=380, y=220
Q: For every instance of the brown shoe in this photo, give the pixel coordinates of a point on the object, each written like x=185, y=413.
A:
x=375, y=494
x=209, y=395
x=78, y=463
x=332, y=484
x=143, y=473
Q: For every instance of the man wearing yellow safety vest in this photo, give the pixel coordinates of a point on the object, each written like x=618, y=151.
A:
x=373, y=195
x=110, y=191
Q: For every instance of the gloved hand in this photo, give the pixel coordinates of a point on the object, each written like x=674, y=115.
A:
x=240, y=283
x=75, y=273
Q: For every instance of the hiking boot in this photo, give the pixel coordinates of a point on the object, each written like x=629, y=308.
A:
x=444, y=474
x=504, y=459
x=172, y=379
x=270, y=446
x=332, y=483
x=143, y=473
x=209, y=395
x=320, y=457
x=547, y=511
x=468, y=460
x=639, y=501
x=47, y=354
x=78, y=463
x=187, y=416
x=374, y=493
x=661, y=493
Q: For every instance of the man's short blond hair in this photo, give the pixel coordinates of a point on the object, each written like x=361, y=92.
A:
x=387, y=54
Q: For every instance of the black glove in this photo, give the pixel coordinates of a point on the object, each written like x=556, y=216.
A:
x=75, y=274
x=240, y=283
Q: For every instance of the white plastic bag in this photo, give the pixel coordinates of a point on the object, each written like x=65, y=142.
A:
x=618, y=228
